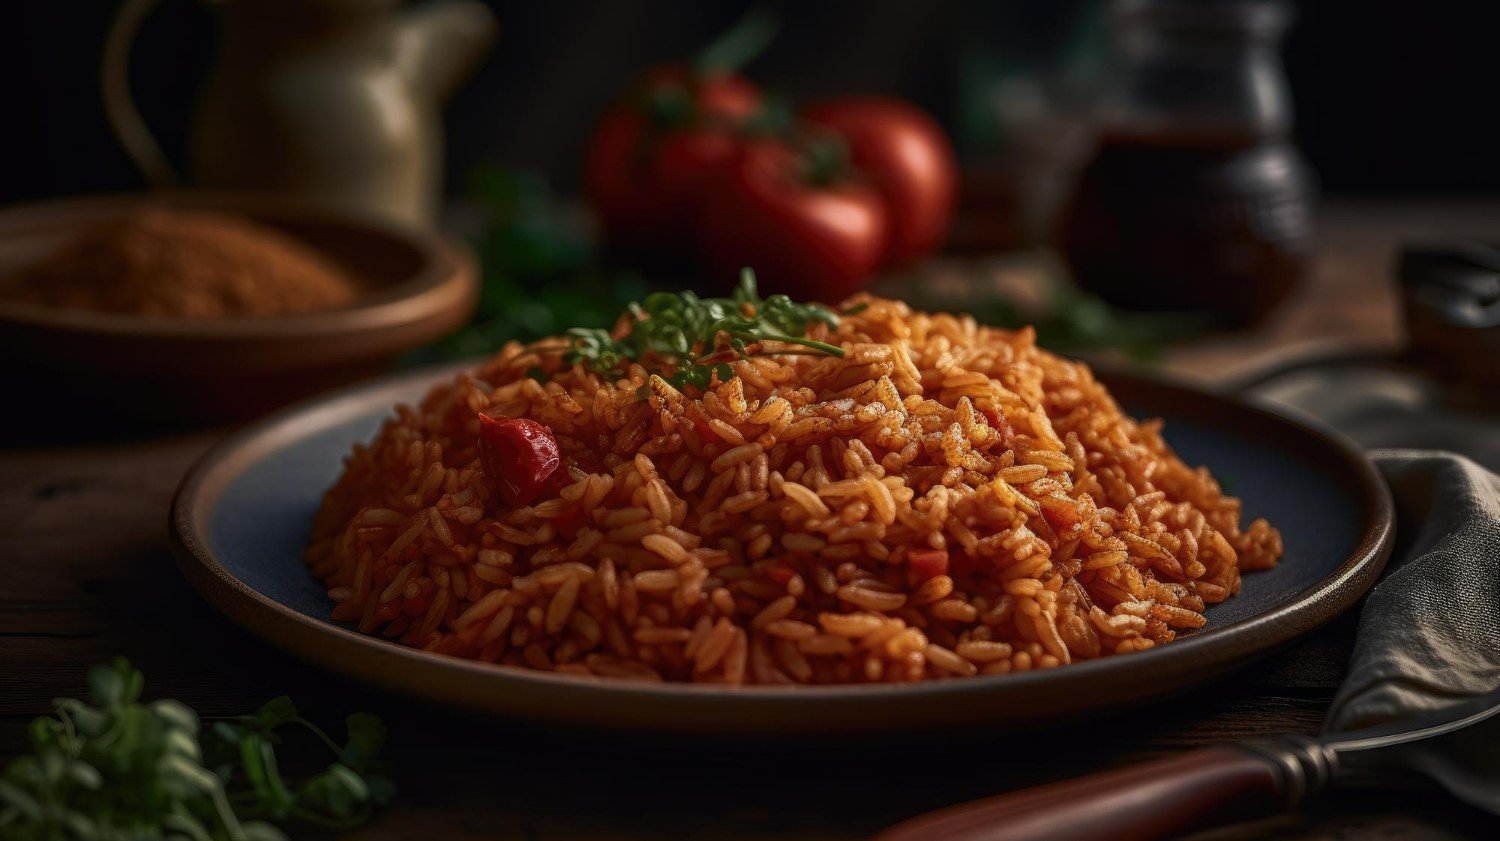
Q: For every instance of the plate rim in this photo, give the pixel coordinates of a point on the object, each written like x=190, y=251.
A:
x=1185, y=662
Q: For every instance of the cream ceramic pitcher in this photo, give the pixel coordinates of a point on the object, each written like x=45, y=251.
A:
x=333, y=100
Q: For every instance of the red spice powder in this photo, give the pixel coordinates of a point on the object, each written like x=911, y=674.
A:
x=185, y=264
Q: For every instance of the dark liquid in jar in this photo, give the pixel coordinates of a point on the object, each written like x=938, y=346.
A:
x=1209, y=225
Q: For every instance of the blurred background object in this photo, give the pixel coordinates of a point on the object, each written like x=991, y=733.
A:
x=1077, y=161
x=696, y=171
x=1370, y=82
x=1194, y=200
x=163, y=262
x=660, y=146
x=1450, y=296
x=186, y=308
x=328, y=100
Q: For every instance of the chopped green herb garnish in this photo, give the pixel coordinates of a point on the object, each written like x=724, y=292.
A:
x=122, y=769
x=697, y=337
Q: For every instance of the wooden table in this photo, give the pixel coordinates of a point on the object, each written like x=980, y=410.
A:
x=82, y=535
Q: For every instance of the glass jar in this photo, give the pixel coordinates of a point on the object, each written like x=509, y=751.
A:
x=1194, y=200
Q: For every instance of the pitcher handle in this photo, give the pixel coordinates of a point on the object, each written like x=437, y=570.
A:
x=119, y=106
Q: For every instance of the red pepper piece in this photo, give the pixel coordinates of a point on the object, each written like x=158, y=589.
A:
x=520, y=456
x=557, y=481
x=927, y=563
x=706, y=433
x=964, y=565
x=416, y=605
x=1061, y=513
x=997, y=421
x=572, y=519
x=779, y=572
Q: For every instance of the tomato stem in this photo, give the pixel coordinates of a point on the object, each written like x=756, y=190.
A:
x=670, y=106
x=741, y=43
x=824, y=159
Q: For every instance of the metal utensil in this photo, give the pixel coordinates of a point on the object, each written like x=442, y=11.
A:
x=1450, y=298
x=1458, y=747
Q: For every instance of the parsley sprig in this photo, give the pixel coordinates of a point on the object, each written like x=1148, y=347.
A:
x=694, y=338
x=117, y=768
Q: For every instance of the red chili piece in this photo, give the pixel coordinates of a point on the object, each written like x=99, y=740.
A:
x=571, y=520
x=780, y=573
x=706, y=433
x=997, y=421
x=927, y=563
x=519, y=455
x=1061, y=513
x=963, y=565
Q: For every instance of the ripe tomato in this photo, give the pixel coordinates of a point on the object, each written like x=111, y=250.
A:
x=906, y=155
x=653, y=153
x=817, y=240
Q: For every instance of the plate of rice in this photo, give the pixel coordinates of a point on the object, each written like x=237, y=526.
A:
x=752, y=515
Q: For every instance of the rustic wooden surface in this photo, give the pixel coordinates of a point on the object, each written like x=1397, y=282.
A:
x=88, y=576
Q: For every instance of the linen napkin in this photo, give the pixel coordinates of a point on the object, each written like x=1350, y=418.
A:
x=1380, y=406
x=1429, y=631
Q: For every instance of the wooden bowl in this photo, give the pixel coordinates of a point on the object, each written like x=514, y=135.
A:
x=420, y=285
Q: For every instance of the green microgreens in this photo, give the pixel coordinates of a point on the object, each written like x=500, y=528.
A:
x=118, y=768
x=697, y=337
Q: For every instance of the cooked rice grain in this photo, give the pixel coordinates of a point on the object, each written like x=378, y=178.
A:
x=944, y=500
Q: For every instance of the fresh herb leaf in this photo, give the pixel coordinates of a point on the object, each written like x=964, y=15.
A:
x=692, y=339
x=1066, y=319
x=114, y=768
x=366, y=738
x=276, y=712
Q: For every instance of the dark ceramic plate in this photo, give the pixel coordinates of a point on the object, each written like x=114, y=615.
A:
x=242, y=515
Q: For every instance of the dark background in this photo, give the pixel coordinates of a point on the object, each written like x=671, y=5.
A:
x=1390, y=97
